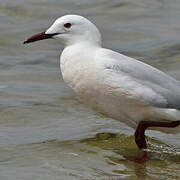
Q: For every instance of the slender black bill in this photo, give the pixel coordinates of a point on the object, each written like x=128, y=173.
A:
x=39, y=36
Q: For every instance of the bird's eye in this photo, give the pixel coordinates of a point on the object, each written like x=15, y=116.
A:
x=67, y=25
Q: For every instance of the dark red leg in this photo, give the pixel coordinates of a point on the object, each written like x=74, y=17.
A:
x=141, y=140
x=143, y=125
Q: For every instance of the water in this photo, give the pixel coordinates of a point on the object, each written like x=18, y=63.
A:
x=45, y=132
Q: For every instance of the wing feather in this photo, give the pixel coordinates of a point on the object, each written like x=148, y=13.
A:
x=145, y=82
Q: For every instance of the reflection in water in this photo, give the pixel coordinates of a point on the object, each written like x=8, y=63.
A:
x=123, y=146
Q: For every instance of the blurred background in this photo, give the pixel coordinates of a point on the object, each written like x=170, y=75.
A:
x=45, y=132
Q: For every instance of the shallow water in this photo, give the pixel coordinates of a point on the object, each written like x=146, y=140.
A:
x=45, y=132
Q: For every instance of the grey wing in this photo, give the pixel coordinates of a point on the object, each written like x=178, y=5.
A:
x=157, y=88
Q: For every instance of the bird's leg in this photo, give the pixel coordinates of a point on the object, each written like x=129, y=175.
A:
x=143, y=125
x=140, y=137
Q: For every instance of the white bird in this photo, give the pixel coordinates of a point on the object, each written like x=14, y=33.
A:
x=113, y=84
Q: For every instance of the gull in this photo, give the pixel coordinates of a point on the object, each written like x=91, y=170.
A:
x=113, y=84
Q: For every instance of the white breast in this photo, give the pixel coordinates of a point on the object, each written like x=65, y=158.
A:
x=80, y=73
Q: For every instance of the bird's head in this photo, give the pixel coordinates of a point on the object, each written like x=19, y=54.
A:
x=70, y=29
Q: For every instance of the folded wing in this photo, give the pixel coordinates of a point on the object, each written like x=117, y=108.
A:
x=146, y=83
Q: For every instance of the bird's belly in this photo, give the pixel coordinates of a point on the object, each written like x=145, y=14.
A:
x=117, y=106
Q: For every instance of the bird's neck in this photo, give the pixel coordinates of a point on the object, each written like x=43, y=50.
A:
x=80, y=48
x=78, y=51
x=84, y=41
